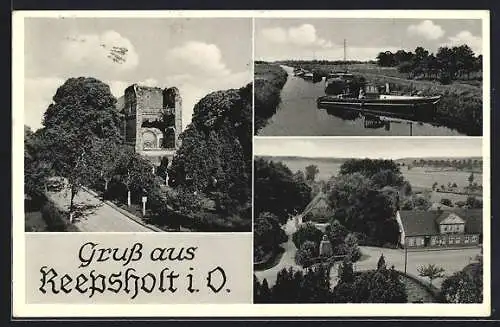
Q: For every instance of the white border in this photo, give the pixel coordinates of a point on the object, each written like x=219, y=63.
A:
x=22, y=310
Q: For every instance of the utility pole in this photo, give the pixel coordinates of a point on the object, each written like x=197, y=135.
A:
x=406, y=256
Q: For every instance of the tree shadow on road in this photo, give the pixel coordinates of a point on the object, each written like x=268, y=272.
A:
x=83, y=210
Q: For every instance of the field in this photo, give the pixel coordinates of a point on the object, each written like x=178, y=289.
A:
x=419, y=177
x=423, y=177
x=454, y=198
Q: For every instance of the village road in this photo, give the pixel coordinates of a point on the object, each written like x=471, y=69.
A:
x=97, y=216
x=450, y=260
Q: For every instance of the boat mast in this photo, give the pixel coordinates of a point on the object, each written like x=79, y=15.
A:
x=345, y=56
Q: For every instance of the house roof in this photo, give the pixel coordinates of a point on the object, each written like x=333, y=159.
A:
x=426, y=222
x=318, y=202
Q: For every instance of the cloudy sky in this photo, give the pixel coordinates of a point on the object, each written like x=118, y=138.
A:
x=387, y=148
x=198, y=55
x=322, y=38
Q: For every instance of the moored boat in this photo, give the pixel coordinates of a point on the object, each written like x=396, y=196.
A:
x=308, y=76
x=384, y=104
x=298, y=72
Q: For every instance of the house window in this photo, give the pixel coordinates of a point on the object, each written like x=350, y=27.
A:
x=475, y=239
x=433, y=240
x=457, y=240
x=411, y=241
x=466, y=239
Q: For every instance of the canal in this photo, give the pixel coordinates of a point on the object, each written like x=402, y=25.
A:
x=298, y=115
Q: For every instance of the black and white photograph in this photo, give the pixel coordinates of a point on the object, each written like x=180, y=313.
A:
x=368, y=77
x=368, y=220
x=243, y=163
x=137, y=124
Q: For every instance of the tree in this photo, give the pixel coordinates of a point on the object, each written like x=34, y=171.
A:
x=216, y=146
x=386, y=59
x=352, y=249
x=346, y=272
x=82, y=115
x=84, y=106
x=381, y=263
x=70, y=156
x=446, y=60
x=336, y=234
x=465, y=286
x=465, y=59
x=431, y=271
x=135, y=173
x=277, y=191
x=311, y=172
x=267, y=234
x=162, y=169
x=406, y=67
x=104, y=154
x=375, y=286
x=471, y=179
x=287, y=288
x=316, y=285
x=306, y=253
x=474, y=203
x=419, y=60
x=306, y=232
x=460, y=288
x=38, y=165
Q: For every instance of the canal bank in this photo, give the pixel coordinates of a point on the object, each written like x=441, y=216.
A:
x=297, y=115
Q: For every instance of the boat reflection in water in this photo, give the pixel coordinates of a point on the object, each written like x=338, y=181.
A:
x=379, y=110
x=370, y=120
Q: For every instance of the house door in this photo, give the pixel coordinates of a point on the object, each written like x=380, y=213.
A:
x=427, y=241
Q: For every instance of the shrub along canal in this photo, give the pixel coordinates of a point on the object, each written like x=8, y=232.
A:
x=298, y=115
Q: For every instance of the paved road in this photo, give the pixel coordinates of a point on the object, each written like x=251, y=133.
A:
x=98, y=216
x=451, y=260
x=287, y=259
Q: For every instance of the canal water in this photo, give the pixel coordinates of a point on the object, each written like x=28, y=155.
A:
x=298, y=115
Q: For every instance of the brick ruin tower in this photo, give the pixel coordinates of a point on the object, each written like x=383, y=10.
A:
x=152, y=120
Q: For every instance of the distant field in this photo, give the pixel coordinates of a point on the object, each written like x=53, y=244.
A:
x=418, y=177
x=438, y=196
x=421, y=177
x=326, y=169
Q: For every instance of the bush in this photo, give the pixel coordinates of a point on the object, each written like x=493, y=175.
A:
x=446, y=202
x=445, y=79
x=307, y=232
x=55, y=219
